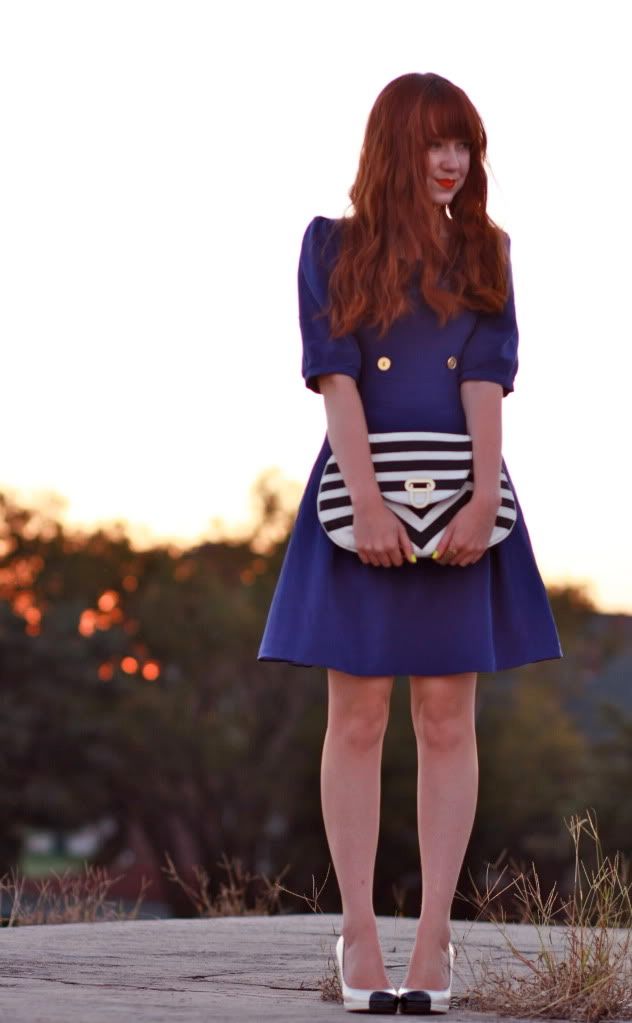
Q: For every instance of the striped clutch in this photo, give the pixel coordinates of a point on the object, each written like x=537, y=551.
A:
x=424, y=477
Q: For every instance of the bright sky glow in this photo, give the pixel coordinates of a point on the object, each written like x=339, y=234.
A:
x=160, y=163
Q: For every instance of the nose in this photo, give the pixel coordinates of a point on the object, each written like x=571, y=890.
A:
x=450, y=160
x=450, y=157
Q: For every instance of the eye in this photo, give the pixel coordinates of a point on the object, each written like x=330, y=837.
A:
x=461, y=142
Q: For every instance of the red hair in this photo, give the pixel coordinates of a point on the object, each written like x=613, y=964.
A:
x=395, y=227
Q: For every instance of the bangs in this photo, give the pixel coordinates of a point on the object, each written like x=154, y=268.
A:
x=448, y=117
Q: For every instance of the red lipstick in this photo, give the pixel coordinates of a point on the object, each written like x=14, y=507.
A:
x=446, y=182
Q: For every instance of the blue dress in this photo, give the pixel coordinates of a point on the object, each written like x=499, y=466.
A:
x=331, y=610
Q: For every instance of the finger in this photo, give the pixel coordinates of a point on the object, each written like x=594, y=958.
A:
x=376, y=558
x=395, y=557
x=389, y=557
x=443, y=545
x=468, y=559
x=401, y=552
x=474, y=558
x=405, y=544
x=450, y=556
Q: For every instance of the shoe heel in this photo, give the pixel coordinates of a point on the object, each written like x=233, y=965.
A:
x=358, y=999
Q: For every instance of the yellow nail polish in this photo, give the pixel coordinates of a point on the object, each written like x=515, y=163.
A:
x=435, y=554
x=413, y=559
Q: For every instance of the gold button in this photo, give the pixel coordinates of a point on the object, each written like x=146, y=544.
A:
x=384, y=362
x=452, y=362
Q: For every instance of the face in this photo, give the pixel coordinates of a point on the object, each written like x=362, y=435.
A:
x=448, y=164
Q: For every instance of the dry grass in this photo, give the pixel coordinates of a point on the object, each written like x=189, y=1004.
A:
x=234, y=895
x=64, y=899
x=583, y=967
x=82, y=898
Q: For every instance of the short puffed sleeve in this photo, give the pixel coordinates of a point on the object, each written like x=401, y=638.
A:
x=322, y=353
x=491, y=350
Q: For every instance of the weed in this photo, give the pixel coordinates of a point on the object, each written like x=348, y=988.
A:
x=78, y=898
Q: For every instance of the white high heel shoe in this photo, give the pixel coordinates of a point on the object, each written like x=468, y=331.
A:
x=358, y=999
x=423, y=1002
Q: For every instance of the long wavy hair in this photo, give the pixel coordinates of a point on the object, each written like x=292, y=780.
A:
x=393, y=237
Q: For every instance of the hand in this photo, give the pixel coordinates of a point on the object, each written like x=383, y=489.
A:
x=468, y=533
x=380, y=536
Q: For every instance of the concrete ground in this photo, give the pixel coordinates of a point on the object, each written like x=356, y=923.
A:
x=228, y=968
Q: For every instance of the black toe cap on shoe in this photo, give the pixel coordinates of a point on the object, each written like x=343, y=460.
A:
x=382, y=1001
x=417, y=1002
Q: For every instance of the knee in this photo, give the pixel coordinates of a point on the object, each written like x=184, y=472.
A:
x=441, y=725
x=362, y=725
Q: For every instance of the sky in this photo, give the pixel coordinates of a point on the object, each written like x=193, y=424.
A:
x=161, y=161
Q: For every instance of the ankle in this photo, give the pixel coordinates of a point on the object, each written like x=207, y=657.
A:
x=359, y=929
x=432, y=933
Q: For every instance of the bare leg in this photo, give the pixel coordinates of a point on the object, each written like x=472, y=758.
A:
x=443, y=713
x=358, y=710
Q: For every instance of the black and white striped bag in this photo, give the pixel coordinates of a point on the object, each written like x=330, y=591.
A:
x=424, y=477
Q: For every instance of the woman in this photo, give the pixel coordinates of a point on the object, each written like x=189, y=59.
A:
x=408, y=323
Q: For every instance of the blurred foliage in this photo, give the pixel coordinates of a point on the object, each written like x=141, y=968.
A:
x=129, y=688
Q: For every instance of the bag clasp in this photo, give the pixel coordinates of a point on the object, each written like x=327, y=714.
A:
x=419, y=490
